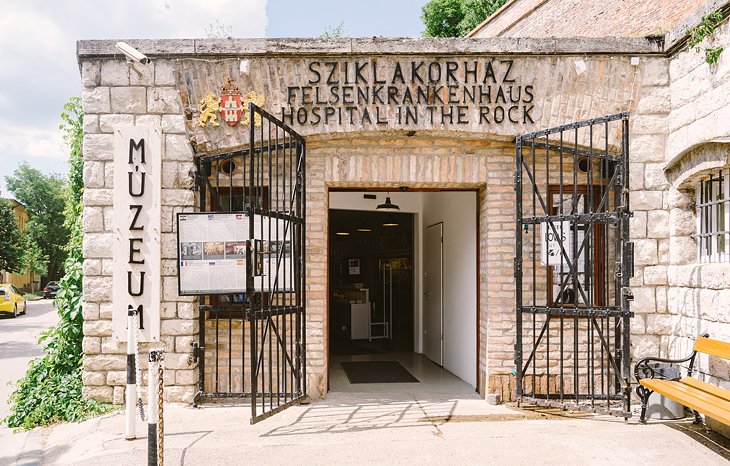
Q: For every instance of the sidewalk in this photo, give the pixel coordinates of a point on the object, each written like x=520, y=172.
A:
x=352, y=428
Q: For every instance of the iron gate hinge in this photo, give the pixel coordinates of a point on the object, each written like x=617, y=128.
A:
x=629, y=259
x=196, y=353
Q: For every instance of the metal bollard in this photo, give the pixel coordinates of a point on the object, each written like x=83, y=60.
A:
x=155, y=421
x=130, y=397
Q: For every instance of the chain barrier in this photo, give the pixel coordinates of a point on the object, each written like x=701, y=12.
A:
x=137, y=369
x=160, y=411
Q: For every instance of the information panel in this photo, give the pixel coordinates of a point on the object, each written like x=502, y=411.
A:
x=212, y=253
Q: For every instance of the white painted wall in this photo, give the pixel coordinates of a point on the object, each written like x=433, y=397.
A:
x=458, y=212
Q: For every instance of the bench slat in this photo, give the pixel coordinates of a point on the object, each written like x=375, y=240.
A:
x=707, y=387
x=717, y=348
x=691, y=397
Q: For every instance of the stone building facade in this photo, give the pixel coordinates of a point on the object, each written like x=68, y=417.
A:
x=679, y=108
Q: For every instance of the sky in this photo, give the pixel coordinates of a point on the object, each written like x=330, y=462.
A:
x=39, y=72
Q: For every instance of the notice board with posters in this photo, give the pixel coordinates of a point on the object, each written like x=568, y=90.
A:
x=213, y=247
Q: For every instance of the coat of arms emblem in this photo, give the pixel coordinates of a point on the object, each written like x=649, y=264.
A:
x=231, y=106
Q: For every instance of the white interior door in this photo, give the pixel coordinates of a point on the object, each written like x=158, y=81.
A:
x=433, y=285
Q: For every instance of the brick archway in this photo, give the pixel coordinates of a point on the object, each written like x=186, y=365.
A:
x=448, y=161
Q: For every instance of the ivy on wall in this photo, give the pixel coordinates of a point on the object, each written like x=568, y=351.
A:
x=706, y=28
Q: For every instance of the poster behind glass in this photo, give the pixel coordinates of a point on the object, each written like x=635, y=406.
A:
x=212, y=250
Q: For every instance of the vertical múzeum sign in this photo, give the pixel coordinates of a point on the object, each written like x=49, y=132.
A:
x=136, y=280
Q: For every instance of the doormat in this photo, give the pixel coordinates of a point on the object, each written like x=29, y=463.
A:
x=377, y=372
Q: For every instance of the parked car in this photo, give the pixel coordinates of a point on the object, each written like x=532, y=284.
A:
x=11, y=300
x=50, y=290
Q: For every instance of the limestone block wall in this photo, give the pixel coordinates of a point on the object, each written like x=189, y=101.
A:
x=691, y=105
x=648, y=197
x=117, y=93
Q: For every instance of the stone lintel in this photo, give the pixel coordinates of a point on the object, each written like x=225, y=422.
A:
x=170, y=48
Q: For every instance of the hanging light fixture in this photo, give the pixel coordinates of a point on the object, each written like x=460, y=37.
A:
x=388, y=205
x=390, y=221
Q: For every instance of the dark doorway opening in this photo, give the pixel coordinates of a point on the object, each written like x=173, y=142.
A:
x=371, y=282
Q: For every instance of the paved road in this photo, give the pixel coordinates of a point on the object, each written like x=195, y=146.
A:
x=18, y=345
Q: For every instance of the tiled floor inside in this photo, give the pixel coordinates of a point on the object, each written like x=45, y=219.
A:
x=432, y=378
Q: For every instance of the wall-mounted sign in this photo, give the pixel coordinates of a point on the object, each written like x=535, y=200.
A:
x=136, y=274
x=550, y=253
x=353, y=266
x=213, y=249
x=416, y=92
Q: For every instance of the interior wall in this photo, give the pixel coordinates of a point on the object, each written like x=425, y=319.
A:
x=457, y=210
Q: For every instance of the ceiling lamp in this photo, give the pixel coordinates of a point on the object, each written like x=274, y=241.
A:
x=388, y=205
x=390, y=221
x=364, y=228
x=342, y=233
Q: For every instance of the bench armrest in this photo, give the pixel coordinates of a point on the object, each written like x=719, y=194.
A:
x=642, y=369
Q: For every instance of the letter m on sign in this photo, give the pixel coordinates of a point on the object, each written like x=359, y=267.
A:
x=136, y=146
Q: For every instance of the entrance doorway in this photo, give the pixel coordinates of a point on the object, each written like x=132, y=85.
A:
x=395, y=321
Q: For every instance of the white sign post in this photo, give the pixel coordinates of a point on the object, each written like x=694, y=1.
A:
x=136, y=275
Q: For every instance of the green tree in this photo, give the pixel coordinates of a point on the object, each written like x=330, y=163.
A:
x=9, y=239
x=51, y=390
x=456, y=18
x=32, y=258
x=44, y=197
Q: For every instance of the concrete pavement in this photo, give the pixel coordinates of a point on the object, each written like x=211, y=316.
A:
x=346, y=428
x=18, y=345
x=355, y=428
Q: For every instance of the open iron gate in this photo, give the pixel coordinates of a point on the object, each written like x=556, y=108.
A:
x=573, y=263
x=252, y=344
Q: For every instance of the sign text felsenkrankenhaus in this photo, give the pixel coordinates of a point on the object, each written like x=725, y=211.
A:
x=408, y=93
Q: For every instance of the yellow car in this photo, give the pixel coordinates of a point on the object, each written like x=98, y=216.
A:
x=11, y=300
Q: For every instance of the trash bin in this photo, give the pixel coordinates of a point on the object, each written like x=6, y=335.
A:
x=658, y=406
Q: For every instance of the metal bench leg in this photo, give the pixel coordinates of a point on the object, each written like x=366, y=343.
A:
x=698, y=418
x=644, y=394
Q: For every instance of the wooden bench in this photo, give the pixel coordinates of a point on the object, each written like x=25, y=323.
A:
x=699, y=396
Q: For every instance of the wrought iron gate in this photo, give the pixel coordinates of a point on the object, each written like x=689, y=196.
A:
x=252, y=343
x=573, y=263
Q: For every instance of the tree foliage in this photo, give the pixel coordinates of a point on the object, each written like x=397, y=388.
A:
x=9, y=239
x=44, y=197
x=32, y=258
x=456, y=18
x=51, y=390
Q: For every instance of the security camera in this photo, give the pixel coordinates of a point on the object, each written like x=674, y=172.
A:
x=131, y=53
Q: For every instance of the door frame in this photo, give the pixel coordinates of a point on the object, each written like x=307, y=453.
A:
x=412, y=187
